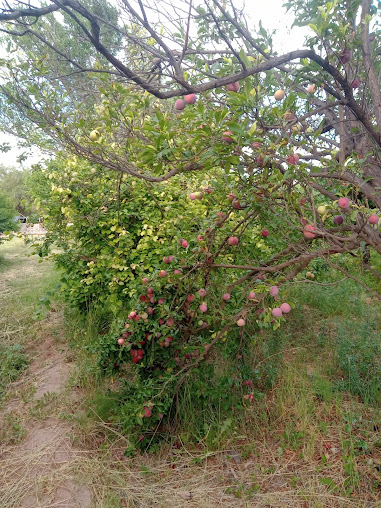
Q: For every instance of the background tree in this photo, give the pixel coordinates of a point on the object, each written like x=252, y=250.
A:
x=13, y=183
x=7, y=215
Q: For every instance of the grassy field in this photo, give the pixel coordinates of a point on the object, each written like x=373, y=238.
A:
x=313, y=439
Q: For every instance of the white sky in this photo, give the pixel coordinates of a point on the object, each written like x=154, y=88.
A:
x=273, y=17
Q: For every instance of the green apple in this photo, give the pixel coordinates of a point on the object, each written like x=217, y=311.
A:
x=322, y=209
x=94, y=135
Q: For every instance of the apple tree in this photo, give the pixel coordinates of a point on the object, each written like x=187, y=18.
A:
x=197, y=172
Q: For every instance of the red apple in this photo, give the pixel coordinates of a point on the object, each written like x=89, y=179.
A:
x=203, y=307
x=251, y=295
x=264, y=233
x=277, y=312
x=338, y=220
x=308, y=231
x=274, y=291
x=241, y=322
x=256, y=145
x=147, y=412
x=202, y=292
x=285, y=308
x=373, y=219
x=344, y=203
x=226, y=297
x=293, y=159
x=233, y=87
x=227, y=137
x=233, y=240
x=184, y=244
x=190, y=98
x=162, y=273
x=180, y=104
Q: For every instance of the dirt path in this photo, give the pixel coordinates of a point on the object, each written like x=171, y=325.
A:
x=39, y=469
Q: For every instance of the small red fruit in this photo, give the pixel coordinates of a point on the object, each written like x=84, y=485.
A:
x=184, y=244
x=338, y=220
x=344, y=203
x=202, y=292
x=285, y=308
x=145, y=281
x=203, y=307
x=180, y=104
x=308, y=231
x=233, y=87
x=192, y=196
x=241, y=322
x=264, y=233
x=226, y=297
x=227, y=137
x=233, y=240
x=293, y=159
x=274, y=291
x=200, y=238
x=190, y=98
x=162, y=273
x=277, y=312
x=147, y=412
x=190, y=298
x=373, y=219
x=251, y=295
x=120, y=341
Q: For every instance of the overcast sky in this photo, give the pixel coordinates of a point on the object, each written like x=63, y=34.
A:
x=273, y=17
